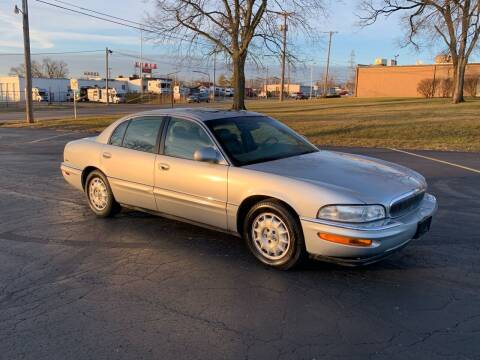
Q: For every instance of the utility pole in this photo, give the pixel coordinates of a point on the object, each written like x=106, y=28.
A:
x=214, y=70
x=141, y=62
x=283, y=29
x=330, y=34
x=28, y=63
x=311, y=81
x=107, y=52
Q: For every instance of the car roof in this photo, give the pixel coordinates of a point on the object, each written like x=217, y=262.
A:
x=200, y=114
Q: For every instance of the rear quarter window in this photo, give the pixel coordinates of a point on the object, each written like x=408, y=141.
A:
x=117, y=134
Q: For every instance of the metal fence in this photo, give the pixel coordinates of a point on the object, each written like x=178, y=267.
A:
x=17, y=98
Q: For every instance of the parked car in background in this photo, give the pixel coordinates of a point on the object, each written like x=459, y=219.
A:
x=332, y=93
x=298, y=96
x=229, y=92
x=193, y=98
x=199, y=97
x=252, y=176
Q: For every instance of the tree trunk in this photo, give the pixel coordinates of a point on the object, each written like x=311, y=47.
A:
x=459, y=81
x=239, y=82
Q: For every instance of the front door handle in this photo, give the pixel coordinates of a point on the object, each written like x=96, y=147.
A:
x=107, y=155
x=163, y=166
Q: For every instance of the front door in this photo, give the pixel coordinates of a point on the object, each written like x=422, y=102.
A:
x=129, y=160
x=187, y=188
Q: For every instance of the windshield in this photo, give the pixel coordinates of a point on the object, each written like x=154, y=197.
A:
x=254, y=139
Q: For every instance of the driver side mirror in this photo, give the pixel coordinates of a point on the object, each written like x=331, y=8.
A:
x=207, y=154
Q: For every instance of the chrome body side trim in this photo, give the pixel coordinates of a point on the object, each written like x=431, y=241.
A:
x=371, y=226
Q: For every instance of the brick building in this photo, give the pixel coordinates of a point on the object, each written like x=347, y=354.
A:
x=402, y=81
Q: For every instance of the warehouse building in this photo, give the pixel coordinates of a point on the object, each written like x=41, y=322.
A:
x=12, y=88
x=403, y=81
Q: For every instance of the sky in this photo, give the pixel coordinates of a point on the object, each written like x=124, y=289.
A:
x=56, y=30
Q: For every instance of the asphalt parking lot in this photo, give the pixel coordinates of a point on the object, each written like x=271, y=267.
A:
x=142, y=287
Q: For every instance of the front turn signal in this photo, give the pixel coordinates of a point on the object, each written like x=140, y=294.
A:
x=345, y=240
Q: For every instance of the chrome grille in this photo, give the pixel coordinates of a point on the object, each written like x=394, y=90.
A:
x=407, y=204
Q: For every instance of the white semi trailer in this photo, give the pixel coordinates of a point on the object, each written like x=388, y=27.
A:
x=100, y=95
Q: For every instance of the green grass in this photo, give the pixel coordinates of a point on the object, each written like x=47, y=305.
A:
x=401, y=123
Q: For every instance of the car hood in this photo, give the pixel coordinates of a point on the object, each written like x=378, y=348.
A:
x=369, y=180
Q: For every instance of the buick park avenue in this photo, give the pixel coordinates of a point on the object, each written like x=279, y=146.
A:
x=250, y=175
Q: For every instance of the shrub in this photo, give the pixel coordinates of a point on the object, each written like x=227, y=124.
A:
x=426, y=88
x=446, y=87
x=470, y=85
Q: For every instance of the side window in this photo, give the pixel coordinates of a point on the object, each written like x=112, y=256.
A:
x=117, y=134
x=184, y=138
x=142, y=134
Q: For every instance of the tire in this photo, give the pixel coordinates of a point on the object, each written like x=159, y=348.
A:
x=102, y=206
x=274, y=235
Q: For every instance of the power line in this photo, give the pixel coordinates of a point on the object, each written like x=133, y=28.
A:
x=53, y=53
x=114, y=20
x=98, y=12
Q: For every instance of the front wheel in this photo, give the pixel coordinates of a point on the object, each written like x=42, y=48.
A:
x=274, y=235
x=100, y=196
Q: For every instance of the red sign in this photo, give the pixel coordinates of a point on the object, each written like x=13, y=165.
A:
x=146, y=66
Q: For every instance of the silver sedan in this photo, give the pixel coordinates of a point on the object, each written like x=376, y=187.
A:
x=250, y=175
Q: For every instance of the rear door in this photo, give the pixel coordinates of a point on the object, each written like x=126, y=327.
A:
x=187, y=188
x=129, y=160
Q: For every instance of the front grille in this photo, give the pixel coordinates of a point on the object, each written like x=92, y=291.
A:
x=406, y=204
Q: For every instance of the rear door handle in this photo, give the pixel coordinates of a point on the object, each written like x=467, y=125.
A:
x=107, y=155
x=163, y=166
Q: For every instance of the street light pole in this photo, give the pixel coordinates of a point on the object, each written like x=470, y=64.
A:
x=107, y=52
x=28, y=63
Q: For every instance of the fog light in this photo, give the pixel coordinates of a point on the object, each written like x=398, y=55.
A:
x=345, y=240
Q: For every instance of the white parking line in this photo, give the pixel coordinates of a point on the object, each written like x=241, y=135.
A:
x=437, y=160
x=45, y=139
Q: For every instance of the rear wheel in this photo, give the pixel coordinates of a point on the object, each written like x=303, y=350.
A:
x=273, y=235
x=100, y=196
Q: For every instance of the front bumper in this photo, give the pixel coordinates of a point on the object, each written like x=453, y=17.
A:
x=387, y=236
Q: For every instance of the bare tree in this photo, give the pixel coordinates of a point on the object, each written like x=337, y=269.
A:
x=54, y=68
x=238, y=28
x=455, y=23
x=426, y=88
x=471, y=84
x=20, y=70
x=48, y=68
x=446, y=87
x=223, y=81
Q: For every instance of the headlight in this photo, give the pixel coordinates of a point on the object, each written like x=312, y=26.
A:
x=352, y=213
